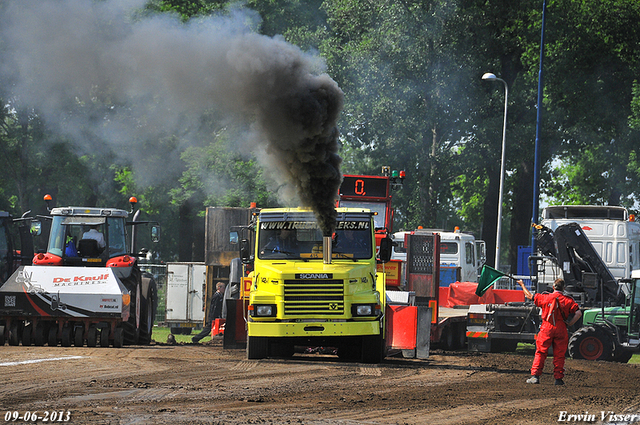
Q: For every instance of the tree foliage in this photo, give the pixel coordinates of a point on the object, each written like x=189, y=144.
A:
x=414, y=100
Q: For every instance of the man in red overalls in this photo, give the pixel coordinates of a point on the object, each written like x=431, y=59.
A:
x=556, y=309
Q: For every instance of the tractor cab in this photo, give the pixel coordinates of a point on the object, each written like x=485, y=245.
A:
x=86, y=237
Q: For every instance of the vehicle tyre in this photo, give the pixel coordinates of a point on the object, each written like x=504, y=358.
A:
x=92, y=336
x=26, y=335
x=148, y=312
x=372, y=349
x=14, y=335
x=281, y=349
x=104, y=337
x=52, y=339
x=2, y=336
x=131, y=328
x=448, y=339
x=257, y=347
x=351, y=351
x=118, y=338
x=622, y=356
x=39, y=337
x=461, y=337
x=65, y=338
x=504, y=345
x=590, y=343
x=78, y=336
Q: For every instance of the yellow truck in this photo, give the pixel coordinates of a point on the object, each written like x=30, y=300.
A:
x=313, y=290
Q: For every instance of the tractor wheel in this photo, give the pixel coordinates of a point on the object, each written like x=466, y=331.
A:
x=590, y=343
x=257, y=347
x=131, y=328
x=622, y=356
x=148, y=311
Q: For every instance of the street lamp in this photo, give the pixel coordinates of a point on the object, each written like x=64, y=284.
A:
x=491, y=77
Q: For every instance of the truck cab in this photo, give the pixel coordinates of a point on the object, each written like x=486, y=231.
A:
x=461, y=255
x=312, y=290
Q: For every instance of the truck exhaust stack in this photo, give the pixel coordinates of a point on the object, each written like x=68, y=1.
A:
x=326, y=249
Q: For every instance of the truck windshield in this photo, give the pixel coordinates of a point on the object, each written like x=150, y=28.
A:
x=303, y=240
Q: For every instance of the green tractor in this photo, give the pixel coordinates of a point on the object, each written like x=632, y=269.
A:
x=610, y=333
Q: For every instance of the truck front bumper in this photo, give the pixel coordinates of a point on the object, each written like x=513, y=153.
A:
x=313, y=329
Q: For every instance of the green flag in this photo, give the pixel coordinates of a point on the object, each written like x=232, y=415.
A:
x=488, y=277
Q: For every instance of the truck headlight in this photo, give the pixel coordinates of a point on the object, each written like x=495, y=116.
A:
x=363, y=310
x=264, y=310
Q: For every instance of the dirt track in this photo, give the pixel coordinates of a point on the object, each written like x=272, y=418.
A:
x=204, y=384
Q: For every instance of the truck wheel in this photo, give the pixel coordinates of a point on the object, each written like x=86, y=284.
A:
x=350, y=352
x=372, y=349
x=65, y=338
x=590, y=343
x=52, y=339
x=118, y=338
x=14, y=336
x=281, y=349
x=92, y=336
x=26, y=335
x=257, y=347
x=104, y=337
x=148, y=312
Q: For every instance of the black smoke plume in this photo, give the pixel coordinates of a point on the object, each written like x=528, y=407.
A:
x=57, y=54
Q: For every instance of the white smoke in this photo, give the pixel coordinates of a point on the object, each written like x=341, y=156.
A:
x=157, y=75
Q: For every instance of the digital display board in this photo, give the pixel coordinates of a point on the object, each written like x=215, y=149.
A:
x=363, y=186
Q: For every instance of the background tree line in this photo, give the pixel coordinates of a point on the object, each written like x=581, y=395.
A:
x=414, y=100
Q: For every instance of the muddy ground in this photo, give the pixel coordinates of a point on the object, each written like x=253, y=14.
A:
x=206, y=384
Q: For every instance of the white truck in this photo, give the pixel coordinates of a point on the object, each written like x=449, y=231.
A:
x=613, y=232
x=461, y=255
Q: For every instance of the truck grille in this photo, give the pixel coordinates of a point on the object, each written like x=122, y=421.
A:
x=308, y=297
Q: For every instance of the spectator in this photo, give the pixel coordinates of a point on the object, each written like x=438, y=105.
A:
x=215, y=312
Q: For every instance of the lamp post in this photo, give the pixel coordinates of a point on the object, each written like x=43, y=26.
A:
x=491, y=77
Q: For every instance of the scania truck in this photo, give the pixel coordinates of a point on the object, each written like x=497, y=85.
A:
x=314, y=290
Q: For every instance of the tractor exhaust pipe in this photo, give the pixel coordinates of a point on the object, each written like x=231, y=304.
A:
x=326, y=249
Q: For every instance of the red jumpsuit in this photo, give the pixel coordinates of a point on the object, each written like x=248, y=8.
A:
x=553, y=331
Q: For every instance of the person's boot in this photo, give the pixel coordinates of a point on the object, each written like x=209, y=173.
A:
x=559, y=382
x=533, y=380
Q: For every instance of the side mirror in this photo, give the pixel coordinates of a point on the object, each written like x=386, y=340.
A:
x=386, y=248
x=245, y=251
x=233, y=238
x=36, y=228
x=155, y=234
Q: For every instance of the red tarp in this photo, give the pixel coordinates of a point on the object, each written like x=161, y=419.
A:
x=464, y=293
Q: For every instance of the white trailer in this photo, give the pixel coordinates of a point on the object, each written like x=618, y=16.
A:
x=185, y=296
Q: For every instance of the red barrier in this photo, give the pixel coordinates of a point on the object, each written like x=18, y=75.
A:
x=464, y=293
